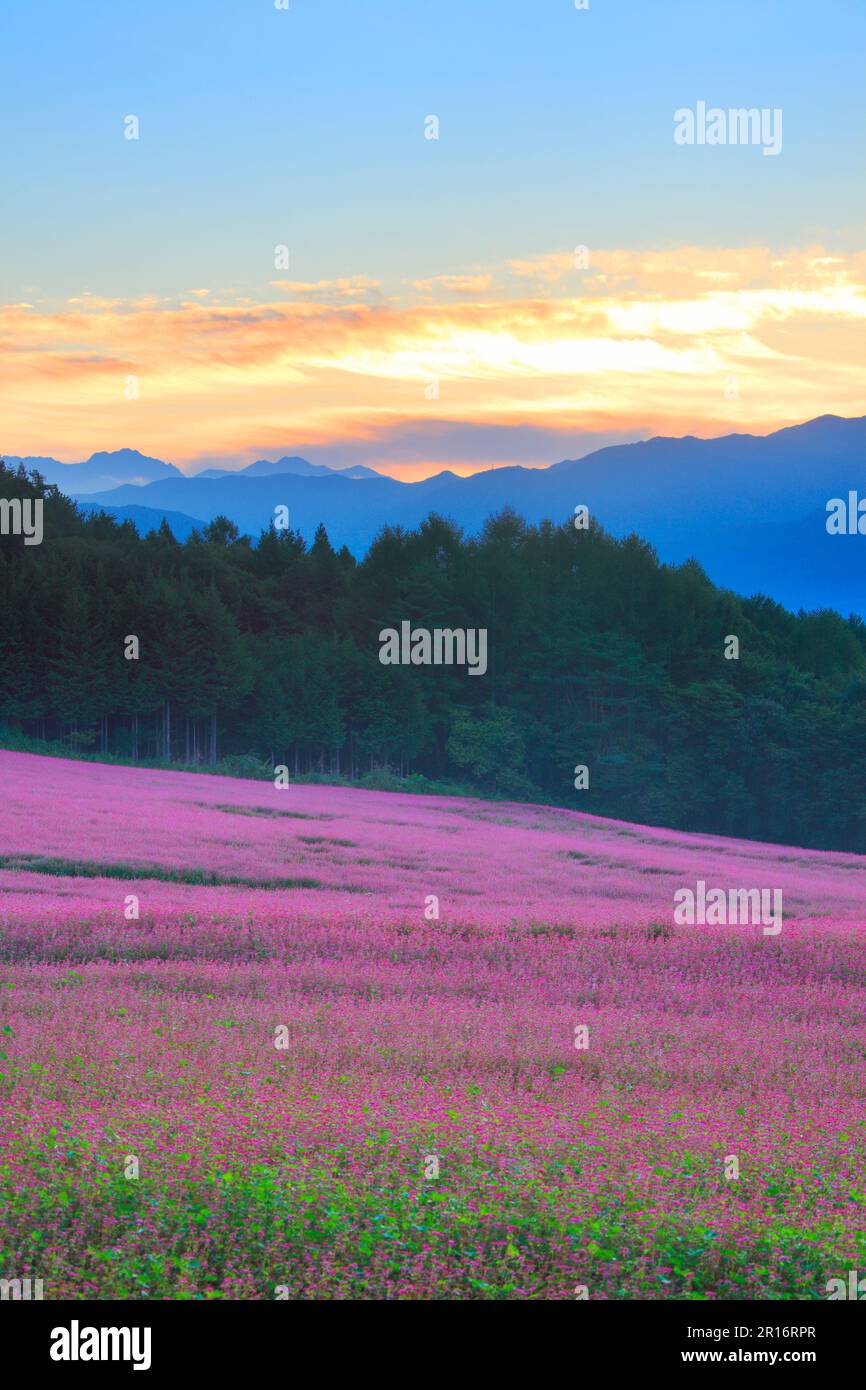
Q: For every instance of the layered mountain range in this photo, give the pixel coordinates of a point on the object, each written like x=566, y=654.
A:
x=750, y=508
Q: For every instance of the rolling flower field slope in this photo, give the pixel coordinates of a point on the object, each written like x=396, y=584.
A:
x=319, y=1042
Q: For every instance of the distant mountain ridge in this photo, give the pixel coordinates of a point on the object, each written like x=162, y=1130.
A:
x=129, y=468
x=147, y=519
x=268, y=468
x=102, y=470
x=749, y=508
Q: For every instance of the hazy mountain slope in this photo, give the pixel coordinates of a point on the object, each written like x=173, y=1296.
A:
x=750, y=508
x=102, y=470
x=147, y=519
x=269, y=468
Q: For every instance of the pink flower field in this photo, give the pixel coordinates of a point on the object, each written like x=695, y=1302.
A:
x=287, y=1075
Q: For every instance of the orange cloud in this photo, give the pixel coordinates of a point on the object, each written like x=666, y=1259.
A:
x=455, y=284
x=687, y=340
x=348, y=288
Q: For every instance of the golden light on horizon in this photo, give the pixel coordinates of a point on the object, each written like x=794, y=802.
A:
x=636, y=342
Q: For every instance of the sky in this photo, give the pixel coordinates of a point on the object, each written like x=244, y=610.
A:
x=284, y=262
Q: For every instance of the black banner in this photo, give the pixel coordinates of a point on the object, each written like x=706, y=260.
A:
x=84, y=1341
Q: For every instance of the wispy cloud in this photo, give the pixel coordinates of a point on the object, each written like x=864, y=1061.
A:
x=350, y=287
x=455, y=284
x=686, y=340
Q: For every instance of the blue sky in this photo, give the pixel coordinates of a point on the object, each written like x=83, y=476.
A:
x=431, y=315
x=306, y=126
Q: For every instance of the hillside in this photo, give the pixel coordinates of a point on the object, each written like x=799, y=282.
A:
x=348, y=852
x=596, y=655
x=371, y=1044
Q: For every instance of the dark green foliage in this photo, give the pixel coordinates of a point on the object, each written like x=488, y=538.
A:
x=597, y=654
x=89, y=868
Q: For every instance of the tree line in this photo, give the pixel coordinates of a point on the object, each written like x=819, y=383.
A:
x=598, y=656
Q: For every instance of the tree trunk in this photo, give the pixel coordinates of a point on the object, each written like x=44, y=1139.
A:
x=213, y=739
